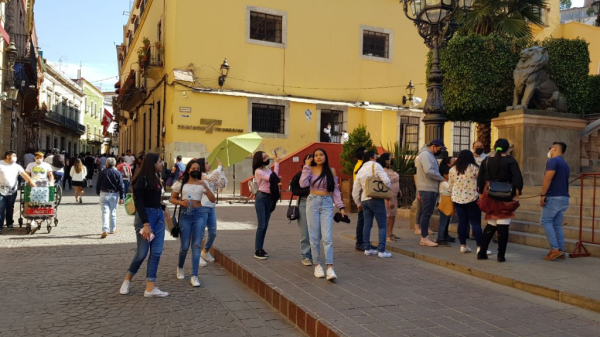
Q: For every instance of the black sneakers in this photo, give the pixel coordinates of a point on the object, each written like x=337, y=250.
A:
x=443, y=243
x=261, y=254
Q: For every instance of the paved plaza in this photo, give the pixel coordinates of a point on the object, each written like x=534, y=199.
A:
x=66, y=283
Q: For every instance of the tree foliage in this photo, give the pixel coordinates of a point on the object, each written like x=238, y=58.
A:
x=359, y=137
x=507, y=18
x=565, y=4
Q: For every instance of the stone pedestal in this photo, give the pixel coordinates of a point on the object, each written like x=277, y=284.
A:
x=533, y=132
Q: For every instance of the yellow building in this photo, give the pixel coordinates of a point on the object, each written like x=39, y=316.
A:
x=294, y=67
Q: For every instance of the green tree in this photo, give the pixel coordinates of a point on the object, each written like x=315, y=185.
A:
x=507, y=18
x=359, y=137
x=565, y=4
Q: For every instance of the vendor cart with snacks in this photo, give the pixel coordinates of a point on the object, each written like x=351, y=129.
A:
x=38, y=207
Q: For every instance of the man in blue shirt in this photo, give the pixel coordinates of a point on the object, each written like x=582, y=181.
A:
x=555, y=200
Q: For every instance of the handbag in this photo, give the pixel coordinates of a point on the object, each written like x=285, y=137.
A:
x=253, y=186
x=496, y=190
x=293, y=212
x=376, y=189
x=175, y=217
x=129, y=204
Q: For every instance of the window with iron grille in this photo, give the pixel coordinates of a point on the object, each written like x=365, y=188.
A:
x=462, y=137
x=409, y=132
x=336, y=118
x=266, y=27
x=268, y=118
x=376, y=44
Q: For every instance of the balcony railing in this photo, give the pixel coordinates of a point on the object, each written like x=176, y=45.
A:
x=68, y=122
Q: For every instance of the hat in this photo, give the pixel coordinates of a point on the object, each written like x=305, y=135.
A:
x=338, y=217
x=438, y=142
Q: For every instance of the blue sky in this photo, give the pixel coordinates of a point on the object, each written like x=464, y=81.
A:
x=82, y=31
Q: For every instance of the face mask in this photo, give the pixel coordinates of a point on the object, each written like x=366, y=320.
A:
x=479, y=151
x=550, y=154
x=39, y=161
x=13, y=160
x=267, y=162
x=195, y=174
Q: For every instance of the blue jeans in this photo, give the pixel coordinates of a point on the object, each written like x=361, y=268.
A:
x=468, y=213
x=192, y=223
x=262, y=205
x=428, y=200
x=374, y=208
x=303, y=226
x=444, y=224
x=211, y=225
x=156, y=218
x=360, y=227
x=108, y=202
x=319, y=212
x=7, y=207
x=126, y=183
x=552, y=217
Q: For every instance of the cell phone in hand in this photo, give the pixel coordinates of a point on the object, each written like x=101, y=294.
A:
x=151, y=237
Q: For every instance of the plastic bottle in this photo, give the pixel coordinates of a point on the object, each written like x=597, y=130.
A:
x=189, y=202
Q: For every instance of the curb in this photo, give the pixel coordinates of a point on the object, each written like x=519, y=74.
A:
x=536, y=289
x=306, y=322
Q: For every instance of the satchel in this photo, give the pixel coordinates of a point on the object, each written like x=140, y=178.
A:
x=376, y=188
x=175, y=218
x=293, y=212
x=129, y=204
x=496, y=190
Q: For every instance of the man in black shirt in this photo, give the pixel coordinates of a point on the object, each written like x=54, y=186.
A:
x=110, y=188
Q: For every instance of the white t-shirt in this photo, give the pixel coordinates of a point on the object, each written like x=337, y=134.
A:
x=130, y=160
x=39, y=171
x=54, y=168
x=8, y=177
x=194, y=191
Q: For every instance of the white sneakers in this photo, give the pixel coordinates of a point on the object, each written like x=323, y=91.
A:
x=319, y=273
x=370, y=252
x=489, y=252
x=427, y=243
x=206, y=256
x=124, y=288
x=465, y=249
x=180, y=274
x=194, y=281
x=384, y=254
x=331, y=274
x=203, y=262
x=155, y=293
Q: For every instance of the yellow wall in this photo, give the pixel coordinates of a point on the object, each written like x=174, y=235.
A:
x=591, y=34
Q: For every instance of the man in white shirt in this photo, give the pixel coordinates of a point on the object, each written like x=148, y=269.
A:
x=9, y=172
x=344, y=137
x=327, y=131
x=58, y=172
x=40, y=171
x=129, y=159
x=478, y=152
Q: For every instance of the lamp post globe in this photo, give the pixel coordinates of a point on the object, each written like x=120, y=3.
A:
x=436, y=23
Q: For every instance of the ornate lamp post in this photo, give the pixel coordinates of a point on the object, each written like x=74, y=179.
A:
x=435, y=21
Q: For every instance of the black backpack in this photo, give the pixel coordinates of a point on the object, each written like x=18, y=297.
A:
x=295, y=187
x=58, y=160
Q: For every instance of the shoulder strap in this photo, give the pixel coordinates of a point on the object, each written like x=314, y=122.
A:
x=487, y=169
x=291, y=199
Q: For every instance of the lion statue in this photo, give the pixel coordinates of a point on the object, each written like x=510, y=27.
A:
x=533, y=87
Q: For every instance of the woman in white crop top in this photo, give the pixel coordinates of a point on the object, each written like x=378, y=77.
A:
x=192, y=221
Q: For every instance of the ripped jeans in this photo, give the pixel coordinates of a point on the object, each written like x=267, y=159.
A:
x=192, y=223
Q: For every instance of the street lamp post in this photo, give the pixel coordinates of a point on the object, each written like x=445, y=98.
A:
x=435, y=22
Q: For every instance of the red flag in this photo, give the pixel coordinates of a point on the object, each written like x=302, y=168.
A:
x=106, y=120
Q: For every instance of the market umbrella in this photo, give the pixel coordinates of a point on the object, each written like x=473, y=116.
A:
x=233, y=150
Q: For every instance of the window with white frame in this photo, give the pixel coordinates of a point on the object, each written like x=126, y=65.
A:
x=462, y=137
x=266, y=27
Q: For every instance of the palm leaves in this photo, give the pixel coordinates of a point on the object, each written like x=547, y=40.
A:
x=507, y=18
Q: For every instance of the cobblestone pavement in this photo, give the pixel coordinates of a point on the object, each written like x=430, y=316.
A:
x=399, y=296
x=66, y=283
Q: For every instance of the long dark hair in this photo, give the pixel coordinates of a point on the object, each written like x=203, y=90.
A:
x=501, y=146
x=148, y=171
x=446, y=161
x=366, y=157
x=325, y=172
x=257, y=161
x=465, y=158
x=383, y=158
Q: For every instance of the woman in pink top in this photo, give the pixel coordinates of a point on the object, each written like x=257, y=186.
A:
x=263, y=203
x=324, y=193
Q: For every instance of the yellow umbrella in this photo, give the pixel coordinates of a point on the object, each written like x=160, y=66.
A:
x=234, y=149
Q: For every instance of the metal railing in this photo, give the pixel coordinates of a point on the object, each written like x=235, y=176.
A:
x=68, y=122
x=580, y=249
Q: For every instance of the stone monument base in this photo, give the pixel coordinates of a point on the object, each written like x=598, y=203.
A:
x=533, y=131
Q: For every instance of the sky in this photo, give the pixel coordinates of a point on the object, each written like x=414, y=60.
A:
x=86, y=31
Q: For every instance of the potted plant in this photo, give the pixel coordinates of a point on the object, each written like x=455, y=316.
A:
x=146, y=42
x=159, y=53
x=404, y=165
x=359, y=137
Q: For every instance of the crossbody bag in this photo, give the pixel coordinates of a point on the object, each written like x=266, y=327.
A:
x=498, y=190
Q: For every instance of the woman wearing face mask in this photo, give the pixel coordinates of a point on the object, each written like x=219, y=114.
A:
x=215, y=180
x=149, y=223
x=324, y=193
x=263, y=204
x=192, y=219
x=391, y=205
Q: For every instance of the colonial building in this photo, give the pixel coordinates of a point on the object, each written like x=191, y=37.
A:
x=291, y=68
x=58, y=122
x=93, y=103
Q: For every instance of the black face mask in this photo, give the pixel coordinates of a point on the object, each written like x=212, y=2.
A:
x=479, y=151
x=195, y=174
x=267, y=162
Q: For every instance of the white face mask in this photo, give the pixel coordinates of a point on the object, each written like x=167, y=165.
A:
x=550, y=154
x=13, y=159
x=39, y=161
